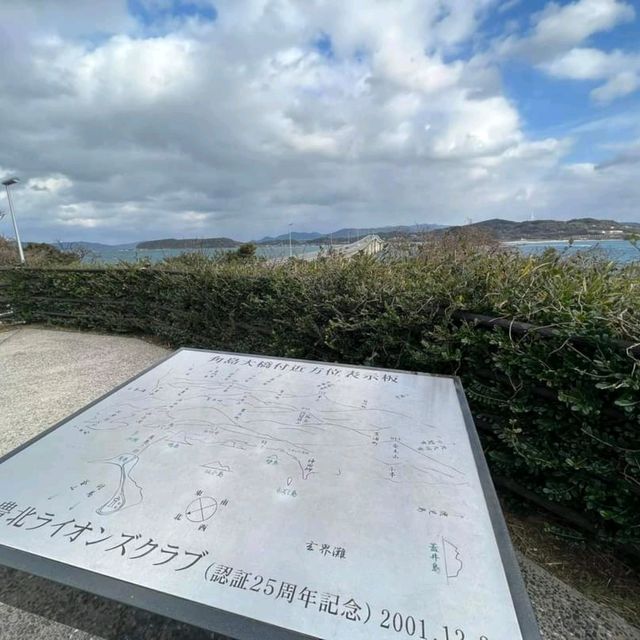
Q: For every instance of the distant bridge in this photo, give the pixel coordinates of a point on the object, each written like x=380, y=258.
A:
x=369, y=246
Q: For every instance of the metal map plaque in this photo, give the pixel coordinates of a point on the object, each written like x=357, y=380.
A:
x=272, y=498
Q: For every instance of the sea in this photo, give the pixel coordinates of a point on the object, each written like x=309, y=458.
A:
x=620, y=251
x=108, y=255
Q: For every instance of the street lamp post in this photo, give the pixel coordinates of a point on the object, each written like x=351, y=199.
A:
x=7, y=183
x=290, y=245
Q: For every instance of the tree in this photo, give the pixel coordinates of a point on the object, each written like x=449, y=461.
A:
x=36, y=254
x=244, y=252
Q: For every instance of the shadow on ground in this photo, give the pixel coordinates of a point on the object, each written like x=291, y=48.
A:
x=63, y=612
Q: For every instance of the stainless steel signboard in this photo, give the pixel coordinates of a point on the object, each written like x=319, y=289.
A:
x=273, y=498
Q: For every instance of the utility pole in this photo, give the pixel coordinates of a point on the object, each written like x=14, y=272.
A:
x=7, y=183
x=290, y=245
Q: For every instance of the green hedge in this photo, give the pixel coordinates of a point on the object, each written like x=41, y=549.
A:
x=558, y=415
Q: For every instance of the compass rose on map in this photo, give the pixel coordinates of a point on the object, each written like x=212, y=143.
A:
x=201, y=509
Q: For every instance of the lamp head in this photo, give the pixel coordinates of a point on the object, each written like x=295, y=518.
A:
x=9, y=181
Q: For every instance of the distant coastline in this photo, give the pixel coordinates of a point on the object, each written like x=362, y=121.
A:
x=560, y=240
x=507, y=232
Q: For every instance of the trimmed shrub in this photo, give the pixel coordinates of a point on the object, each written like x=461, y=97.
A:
x=558, y=405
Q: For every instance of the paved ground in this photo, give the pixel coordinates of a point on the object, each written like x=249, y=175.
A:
x=44, y=376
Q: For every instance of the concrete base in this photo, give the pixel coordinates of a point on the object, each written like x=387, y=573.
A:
x=48, y=374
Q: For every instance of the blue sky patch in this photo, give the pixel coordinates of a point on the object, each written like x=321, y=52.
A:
x=323, y=45
x=151, y=13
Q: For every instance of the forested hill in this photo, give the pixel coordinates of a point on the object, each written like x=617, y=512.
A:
x=590, y=228
x=189, y=243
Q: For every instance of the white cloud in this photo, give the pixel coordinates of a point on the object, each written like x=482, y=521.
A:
x=129, y=71
x=241, y=126
x=628, y=156
x=558, y=28
x=50, y=184
x=621, y=71
x=554, y=45
x=585, y=64
x=621, y=84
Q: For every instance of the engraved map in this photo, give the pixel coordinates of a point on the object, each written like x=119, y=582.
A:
x=334, y=501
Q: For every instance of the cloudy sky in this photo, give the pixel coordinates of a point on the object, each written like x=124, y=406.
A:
x=192, y=118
